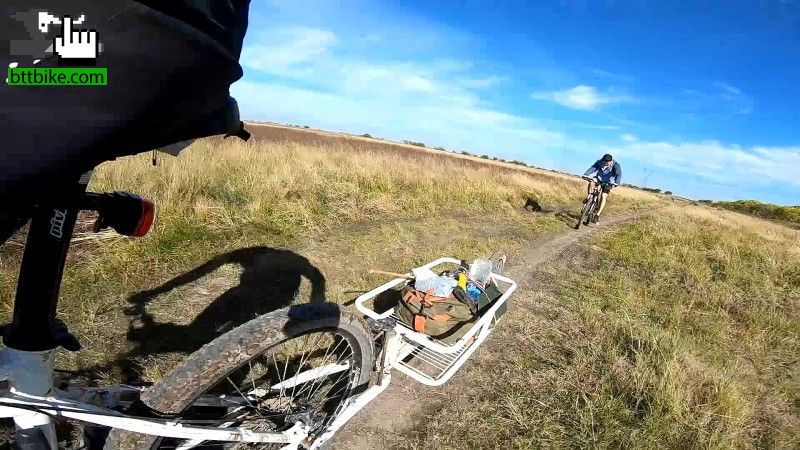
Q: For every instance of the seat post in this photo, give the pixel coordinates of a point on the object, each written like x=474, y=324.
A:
x=34, y=327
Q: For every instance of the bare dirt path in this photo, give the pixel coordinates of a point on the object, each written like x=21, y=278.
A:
x=405, y=403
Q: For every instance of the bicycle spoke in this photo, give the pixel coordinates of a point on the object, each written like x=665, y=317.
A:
x=283, y=378
x=317, y=366
x=275, y=364
x=313, y=383
x=304, y=357
x=242, y=395
x=252, y=379
x=317, y=389
x=341, y=390
x=327, y=395
x=303, y=360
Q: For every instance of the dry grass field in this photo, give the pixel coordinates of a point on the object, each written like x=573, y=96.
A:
x=678, y=328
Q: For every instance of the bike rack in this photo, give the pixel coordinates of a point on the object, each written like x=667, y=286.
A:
x=429, y=360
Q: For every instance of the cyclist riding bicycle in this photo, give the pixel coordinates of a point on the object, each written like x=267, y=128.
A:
x=603, y=171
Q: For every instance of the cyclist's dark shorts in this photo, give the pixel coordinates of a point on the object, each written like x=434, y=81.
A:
x=606, y=187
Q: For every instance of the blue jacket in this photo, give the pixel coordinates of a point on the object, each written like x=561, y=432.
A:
x=605, y=174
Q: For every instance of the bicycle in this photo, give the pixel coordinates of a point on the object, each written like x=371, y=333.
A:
x=288, y=379
x=589, y=210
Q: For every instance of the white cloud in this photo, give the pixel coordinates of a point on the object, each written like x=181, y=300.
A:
x=483, y=83
x=466, y=126
x=740, y=102
x=723, y=97
x=378, y=79
x=615, y=77
x=419, y=83
x=440, y=101
x=283, y=51
x=727, y=88
x=436, y=99
x=731, y=164
x=595, y=126
x=582, y=97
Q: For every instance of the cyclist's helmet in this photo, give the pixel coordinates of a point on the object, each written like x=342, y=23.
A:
x=607, y=157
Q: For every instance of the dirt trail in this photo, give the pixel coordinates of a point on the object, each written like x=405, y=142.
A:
x=405, y=401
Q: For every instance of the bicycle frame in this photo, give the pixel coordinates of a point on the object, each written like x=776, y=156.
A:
x=593, y=198
x=27, y=371
x=596, y=192
x=32, y=412
x=27, y=392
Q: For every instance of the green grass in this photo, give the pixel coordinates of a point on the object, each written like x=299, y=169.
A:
x=681, y=331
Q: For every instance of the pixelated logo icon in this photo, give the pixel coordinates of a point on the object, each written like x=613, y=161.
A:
x=75, y=44
x=46, y=19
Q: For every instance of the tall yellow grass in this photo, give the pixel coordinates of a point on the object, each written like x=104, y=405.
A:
x=288, y=186
x=220, y=195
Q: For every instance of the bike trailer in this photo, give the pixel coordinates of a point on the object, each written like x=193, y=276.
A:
x=432, y=357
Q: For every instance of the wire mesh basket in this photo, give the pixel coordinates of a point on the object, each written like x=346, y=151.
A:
x=424, y=358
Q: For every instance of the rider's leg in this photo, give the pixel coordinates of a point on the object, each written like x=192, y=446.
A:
x=603, y=198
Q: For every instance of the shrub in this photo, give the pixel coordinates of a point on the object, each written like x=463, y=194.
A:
x=763, y=210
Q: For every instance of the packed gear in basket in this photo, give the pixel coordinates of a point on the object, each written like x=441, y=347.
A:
x=444, y=318
x=442, y=306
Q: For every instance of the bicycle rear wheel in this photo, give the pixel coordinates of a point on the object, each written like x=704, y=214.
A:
x=238, y=372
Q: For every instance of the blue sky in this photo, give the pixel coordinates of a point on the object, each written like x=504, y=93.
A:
x=700, y=98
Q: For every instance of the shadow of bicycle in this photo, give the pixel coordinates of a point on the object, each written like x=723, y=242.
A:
x=270, y=279
x=570, y=218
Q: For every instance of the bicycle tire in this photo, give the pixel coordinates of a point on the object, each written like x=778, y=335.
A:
x=206, y=367
x=584, y=213
x=592, y=210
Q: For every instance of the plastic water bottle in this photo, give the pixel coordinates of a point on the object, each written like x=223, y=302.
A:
x=473, y=292
x=480, y=271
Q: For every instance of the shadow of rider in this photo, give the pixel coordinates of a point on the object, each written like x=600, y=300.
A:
x=270, y=280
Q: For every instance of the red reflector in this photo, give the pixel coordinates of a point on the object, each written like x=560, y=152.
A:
x=146, y=221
